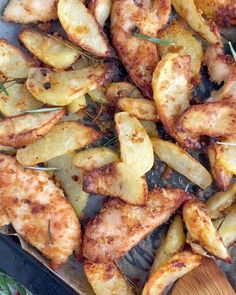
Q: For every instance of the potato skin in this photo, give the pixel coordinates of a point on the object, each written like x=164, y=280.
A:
x=120, y=226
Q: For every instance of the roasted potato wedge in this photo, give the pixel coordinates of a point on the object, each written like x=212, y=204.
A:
x=84, y=31
x=63, y=87
x=94, y=158
x=106, y=278
x=222, y=12
x=22, y=130
x=196, y=248
x=189, y=12
x=150, y=128
x=226, y=154
x=51, y=50
x=138, y=56
x=30, y=11
x=106, y=239
x=63, y=138
x=117, y=180
x=184, y=43
x=14, y=63
x=98, y=95
x=227, y=229
x=171, y=244
x=141, y=108
x=201, y=229
x=212, y=119
x=176, y=267
x=122, y=89
x=100, y=9
x=219, y=202
x=172, y=98
x=71, y=179
x=179, y=160
x=135, y=145
x=77, y=104
x=18, y=100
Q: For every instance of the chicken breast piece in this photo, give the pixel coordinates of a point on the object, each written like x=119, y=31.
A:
x=31, y=11
x=120, y=226
x=4, y=220
x=38, y=211
x=138, y=56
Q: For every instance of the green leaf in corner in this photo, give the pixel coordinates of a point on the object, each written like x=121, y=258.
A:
x=3, y=89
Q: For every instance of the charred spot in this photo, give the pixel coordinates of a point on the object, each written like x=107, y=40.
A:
x=75, y=178
x=43, y=72
x=47, y=85
x=27, y=201
x=178, y=264
x=136, y=30
x=37, y=209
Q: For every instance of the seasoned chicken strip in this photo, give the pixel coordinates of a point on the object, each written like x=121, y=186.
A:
x=138, y=56
x=38, y=211
x=31, y=11
x=4, y=220
x=121, y=226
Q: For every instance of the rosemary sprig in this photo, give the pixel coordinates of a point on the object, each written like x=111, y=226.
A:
x=152, y=39
x=43, y=110
x=226, y=143
x=3, y=89
x=113, y=140
x=9, y=286
x=41, y=168
x=232, y=50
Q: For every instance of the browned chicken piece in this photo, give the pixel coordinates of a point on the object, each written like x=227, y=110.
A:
x=4, y=220
x=219, y=65
x=138, y=56
x=120, y=226
x=31, y=11
x=38, y=211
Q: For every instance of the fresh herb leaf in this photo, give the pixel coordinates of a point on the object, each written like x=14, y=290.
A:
x=113, y=140
x=43, y=110
x=152, y=39
x=226, y=143
x=41, y=168
x=3, y=89
x=232, y=50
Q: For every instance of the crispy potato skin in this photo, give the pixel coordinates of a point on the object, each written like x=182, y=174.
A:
x=201, y=229
x=106, y=278
x=169, y=272
x=212, y=119
x=36, y=206
x=120, y=226
x=10, y=136
x=138, y=56
x=31, y=11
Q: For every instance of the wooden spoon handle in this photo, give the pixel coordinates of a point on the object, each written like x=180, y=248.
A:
x=206, y=279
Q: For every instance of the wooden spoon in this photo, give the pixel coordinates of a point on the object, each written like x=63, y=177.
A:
x=206, y=279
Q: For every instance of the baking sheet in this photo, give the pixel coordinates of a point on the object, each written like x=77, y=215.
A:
x=136, y=263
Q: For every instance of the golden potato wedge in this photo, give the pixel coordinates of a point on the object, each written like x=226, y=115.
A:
x=71, y=179
x=77, y=104
x=227, y=229
x=171, y=244
x=84, y=31
x=217, y=222
x=106, y=278
x=222, y=12
x=221, y=175
x=196, y=248
x=63, y=87
x=14, y=63
x=117, y=180
x=98, y=95
x=81, y=63
x=171, y=92
x=63, y=138
x=30, y=11
x=226, y=154
x=184, y=43
x=122, y=89
x=201, y=229
x=18, y=100
x=22, y=130
x=189, y=12
x=135, y=145
x=94, y=158
x=51, y=50
x=212, y=119
x=218, y=203
x=100, y=9
x=181, y=161
x=150, y=128
x=141, y=108
x=176, y=267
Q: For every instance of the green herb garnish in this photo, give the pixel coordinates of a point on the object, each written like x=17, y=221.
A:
x=9, y=286
x=43, y=110
x=226, y=143
x=41, y=168
x=3, y=89
x=232, y=50
x=152, y=39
